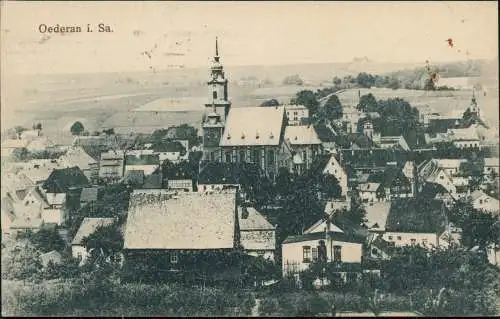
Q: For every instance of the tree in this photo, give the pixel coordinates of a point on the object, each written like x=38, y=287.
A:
x=47, y=239
x=109, y=131
x=272, y=102
x=368, y=103
x=308, y=99
x=20, y=154
x=77, y=128
x=337, y=81
x=20, y=261
x=365, y=80
x=293, y=80
x=333, y=108
x=106, y=241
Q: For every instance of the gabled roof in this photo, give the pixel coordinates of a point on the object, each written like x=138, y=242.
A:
x=322, y=236
x=89, y=226
x=62, y=180
x=302, y=135
x=385, y=246
x=391, y=176
x=325, y=134
x=369, y=187
x=187, y=221
x=416, y=215
x=56, y=198
x=253, y=221
x=77, y=156
x=321, y=225
x=247, y=126
x=143, y=159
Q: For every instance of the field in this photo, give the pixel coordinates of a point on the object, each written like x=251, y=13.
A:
x=133, y=101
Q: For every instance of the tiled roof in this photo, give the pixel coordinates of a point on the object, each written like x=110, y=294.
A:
x=169, y=146
x=247, y=126
x=320, y=226
x=62, y=180
x=449, y=163
x=254, y=220
x=188, y=221
x=416, y=216
x=302, y=135
x=227, y=173
x=369, y=187
x=325, y=134
x=88, y=227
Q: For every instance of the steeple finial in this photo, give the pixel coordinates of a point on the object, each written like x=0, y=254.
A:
x=216, y=47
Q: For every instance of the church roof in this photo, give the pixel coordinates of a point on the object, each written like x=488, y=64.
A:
x=252, y=126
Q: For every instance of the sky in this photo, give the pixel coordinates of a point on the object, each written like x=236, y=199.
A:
x=250, y=33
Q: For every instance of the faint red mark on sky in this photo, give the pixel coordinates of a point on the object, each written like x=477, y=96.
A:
x=450, y=42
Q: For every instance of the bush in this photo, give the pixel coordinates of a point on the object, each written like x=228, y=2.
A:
x=268, y=306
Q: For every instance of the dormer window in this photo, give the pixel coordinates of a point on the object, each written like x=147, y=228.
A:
x=257, y=135
x=242, y=136
x=228, y=136
x=271, y=135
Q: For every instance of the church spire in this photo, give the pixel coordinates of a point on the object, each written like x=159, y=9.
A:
x=216, y=49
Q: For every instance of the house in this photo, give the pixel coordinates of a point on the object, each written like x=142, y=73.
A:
x=380, y=249
x=111, y=165
x=431, y=172
x=297, y=114
x=326, y=244
x=326, y=134
x=370, y=192
x=25, y=217
x=218, y=176
x=40, y=144
x=39, y=170
x=171, y=150
x=336, y=205
x=53, y=257
x=182, y=232
x=87, y=227
x=331, y=164
x=8, y=215
x=491, y=166
x=65, y=180
x=52, y=206
x=135, y=178
x=376, y=215
x=149, y=163
x=393, y=183
x=257, y=235
x=77, y=156
x=415, y=222
x=482, y=201
x=16, y=184
x=304, y=143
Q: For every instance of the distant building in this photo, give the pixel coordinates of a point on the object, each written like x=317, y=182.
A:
x=77, y=156
x=331, y=164
x=297, y=114
x=327, y=137
x=148, y=163
x=53, y=257
x=111, y=165
x=305, y=145
x=483, y=201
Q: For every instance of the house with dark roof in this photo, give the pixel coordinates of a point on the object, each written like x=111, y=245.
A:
x=325, y=242
x=148, y=163
x=77, y=156
x=415, y=221
x=171, y=150
x=215, y=176
x=65, y=180
x=326, y=135
x=392, y=182
x=305, y=145
x=178, y=233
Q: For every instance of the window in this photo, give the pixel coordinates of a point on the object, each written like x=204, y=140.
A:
x=424, y=241
x=228, y=156
x=374, y=251
x=174, y=257
x=399, y=237
x=390, y=237
x=413, y=241
x=270, y=157
x=337, y=253
x=212, y=156
x=214, y=94
x=255, y=156
x=304, y=156
x=242, y=156
x=314, y=254
x=306, y=251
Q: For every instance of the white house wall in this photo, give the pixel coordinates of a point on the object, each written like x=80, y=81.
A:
x=403, y=239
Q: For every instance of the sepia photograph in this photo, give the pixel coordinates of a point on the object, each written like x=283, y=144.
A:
x=250, y=159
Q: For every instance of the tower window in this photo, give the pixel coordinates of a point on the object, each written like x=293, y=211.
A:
x=214, y=94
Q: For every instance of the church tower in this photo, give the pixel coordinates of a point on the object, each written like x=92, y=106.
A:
x=216, y=109
x=474, y=108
